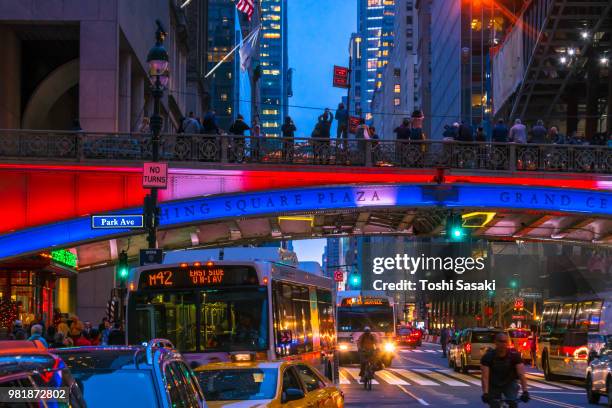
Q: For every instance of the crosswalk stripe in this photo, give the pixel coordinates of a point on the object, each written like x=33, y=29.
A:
x=343, y=378
x=354, y=373
x=388, y=377
x=442, y=378
x=430, y=351
x=536, y=384
x=460, y=376
x=415, y=378
x=539, y=379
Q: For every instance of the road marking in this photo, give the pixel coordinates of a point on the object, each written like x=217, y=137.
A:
x=553, y=402
x=388, y=377
x=430, y=351
x=354, y=373
x=557, y=384
x=343, y=378
x=442, y=378
x=415, y=378
x=535, y=384
x=420, y=400
x=463, y=377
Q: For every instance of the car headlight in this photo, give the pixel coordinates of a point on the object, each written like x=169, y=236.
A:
x=390, y=347
x=343, y=347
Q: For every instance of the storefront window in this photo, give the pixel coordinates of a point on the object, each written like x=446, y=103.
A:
x=28, y=293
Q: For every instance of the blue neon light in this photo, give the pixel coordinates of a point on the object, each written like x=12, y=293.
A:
x=206, y=209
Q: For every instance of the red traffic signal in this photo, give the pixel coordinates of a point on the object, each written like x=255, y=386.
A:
x=341, y=77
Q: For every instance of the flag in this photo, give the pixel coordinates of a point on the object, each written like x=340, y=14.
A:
x=247, y=50
x=246, y=6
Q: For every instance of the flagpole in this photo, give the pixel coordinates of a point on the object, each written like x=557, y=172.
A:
x=247, y=38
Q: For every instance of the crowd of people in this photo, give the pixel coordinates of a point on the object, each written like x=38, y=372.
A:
x=68, y=331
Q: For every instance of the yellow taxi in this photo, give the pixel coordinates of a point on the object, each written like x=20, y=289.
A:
x=244, y=383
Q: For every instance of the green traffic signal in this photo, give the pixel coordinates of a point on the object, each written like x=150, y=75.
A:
x=355, y=280
x=123, y=267
x=513, y=284
x=454, y=228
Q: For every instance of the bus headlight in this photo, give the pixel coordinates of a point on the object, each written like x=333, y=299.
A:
x=389, y=347
x=343, y=347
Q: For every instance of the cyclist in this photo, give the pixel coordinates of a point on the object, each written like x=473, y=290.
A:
x=501, y=368
x=366, y=345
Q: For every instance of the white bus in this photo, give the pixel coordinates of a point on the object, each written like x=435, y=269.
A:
x=571, y=330
x=210, y=309
x=358, y=309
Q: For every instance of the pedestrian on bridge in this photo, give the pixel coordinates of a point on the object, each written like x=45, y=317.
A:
x=288, y=129
x=500, y=132
x=342, y=119
x=518, y=132
x=539, y=133
x=402, y=135
x=238, y=128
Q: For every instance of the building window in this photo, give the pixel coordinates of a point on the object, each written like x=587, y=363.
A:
x=397, y=72
x=396, y=101
x=397, y=88
x=271, y=35
x=223, y=97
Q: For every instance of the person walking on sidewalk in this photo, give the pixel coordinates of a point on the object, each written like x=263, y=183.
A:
x=444, y=340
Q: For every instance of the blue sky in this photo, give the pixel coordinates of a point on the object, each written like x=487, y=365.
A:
x=319, y=32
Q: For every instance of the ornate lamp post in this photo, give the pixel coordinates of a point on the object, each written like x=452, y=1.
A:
x=159, y=76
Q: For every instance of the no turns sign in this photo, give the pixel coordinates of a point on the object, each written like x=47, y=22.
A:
x=155, y=175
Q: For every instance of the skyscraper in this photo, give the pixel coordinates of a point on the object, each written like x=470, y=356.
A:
x=273, y=59
x=375, y=30
x=223, y=84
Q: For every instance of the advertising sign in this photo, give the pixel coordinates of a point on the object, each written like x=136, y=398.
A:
x=341, y=77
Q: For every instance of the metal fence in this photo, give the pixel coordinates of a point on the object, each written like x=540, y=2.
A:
x=82, y=147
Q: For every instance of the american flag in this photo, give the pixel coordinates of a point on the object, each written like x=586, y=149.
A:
x=246, y=6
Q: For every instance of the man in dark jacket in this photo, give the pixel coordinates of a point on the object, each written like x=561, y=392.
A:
x=288, y=129
x=238, y=128
x=538, y=133
x=465, y=133
x=342, y=119
x=500, y=132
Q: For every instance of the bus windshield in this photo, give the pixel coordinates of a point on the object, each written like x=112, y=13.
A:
x=356, y=318
x=229, y=319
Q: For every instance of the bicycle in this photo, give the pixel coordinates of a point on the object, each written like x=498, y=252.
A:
x=368, y=375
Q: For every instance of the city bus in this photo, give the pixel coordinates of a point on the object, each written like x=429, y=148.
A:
x=356, y=310
x=571, y=330
x=210, y=310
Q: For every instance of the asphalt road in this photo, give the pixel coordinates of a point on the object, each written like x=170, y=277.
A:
x=421, y=377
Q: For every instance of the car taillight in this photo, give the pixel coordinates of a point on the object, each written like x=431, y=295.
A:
x=468, y=347
x=524, y=344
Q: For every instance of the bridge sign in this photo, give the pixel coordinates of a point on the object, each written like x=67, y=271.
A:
x=155, y=175
x=116, y=221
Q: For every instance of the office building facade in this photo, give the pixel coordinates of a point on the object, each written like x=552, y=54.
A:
x=375, y=21
x=273, y=84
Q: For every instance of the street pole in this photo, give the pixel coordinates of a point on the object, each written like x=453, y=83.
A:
x=156, y=125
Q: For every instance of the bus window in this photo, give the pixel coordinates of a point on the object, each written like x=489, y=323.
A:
x=549, y=317
x=566, y=316
x=595, y=315
x=583, y=315
x=326, y=318
x=169, y=315
x=234, y=320
x=293, y=325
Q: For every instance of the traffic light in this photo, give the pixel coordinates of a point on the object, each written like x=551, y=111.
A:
x=514, y=284
x=355, y=280
x=123, y=268
x=454, y=228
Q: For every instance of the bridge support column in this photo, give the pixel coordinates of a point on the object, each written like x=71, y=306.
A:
x=609, y=116
x=592, y=98
x=572, y=111
x=368, y=153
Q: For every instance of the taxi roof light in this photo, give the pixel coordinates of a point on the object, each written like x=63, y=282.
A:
x=183, y=264
x=210, y=263
x=243, y=357
x=197, y=264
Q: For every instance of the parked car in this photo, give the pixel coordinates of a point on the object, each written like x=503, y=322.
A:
x=471, y=345
x=153, y=376
x=248, y=383
x=599, y=376
x=28, y=364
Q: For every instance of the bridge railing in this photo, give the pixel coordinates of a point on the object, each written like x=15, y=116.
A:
x=82, y=146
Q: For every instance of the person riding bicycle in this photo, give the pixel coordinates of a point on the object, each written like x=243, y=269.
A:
x=501, y=368
x=366, y=345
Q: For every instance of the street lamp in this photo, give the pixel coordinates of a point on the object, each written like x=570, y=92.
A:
x=159, y=76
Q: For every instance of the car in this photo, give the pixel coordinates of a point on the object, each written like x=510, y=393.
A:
x=599, y=376
x=471, y=345
x=452, y=348
x=151, y=375
x=245, y=382
x=28, y=364
x=521, y=340
x=409, y=336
